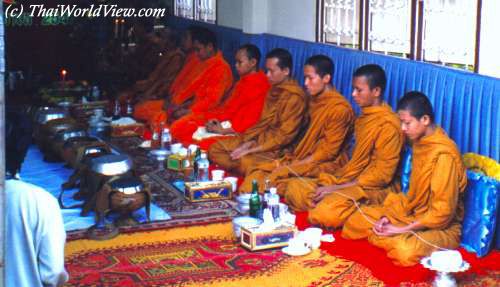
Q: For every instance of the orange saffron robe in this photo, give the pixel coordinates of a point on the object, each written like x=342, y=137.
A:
x=378, y=143
x=242, y=108
x=278, y=126
x=151, y=111
x=159, y=81
x=326, y=141
x=435, y=199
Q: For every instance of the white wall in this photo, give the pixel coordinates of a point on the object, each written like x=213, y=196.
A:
x=277, y=17
x=489, y=61
x=255, y=16
x=230, y=13
x=293, y=18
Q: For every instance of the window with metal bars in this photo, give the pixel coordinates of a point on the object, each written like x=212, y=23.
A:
x=439, y=31
x=200, y=10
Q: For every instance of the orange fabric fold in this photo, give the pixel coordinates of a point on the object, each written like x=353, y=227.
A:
x=242, y=108
x=434, y=199
x=183, y=78
x=326, y=141
x=378, y=142
x=278, y=126
x=207, y=83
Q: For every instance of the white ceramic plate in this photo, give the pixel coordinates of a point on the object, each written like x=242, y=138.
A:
x=292, y=252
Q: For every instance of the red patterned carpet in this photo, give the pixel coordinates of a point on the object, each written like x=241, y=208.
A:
x=208, y=256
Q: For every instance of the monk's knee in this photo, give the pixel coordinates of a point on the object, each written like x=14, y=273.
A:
x=322, y=215
x=295, y=201
x=214, y=151
x=404, y=253
x=356, y=227
x=296, y=195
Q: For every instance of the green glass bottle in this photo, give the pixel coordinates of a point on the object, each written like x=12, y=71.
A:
x=255, y=204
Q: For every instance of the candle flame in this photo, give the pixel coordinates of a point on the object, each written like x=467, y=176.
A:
x=64, y=72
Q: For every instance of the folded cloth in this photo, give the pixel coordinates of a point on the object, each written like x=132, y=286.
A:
x=125, y=121
x=201, y=133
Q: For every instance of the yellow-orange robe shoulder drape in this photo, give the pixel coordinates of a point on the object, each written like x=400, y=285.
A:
x=378, y=142
x=434, y=199
x=277, y=127
x=326, y=141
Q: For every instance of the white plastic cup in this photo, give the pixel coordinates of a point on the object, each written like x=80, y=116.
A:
x=312, y=235
x=218, y=175
x=234, y=182
x=176, y=148
x=296, y=244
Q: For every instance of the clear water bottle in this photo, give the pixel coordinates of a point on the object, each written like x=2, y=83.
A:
x=267, y=193
x=203, y=165
x=274, y=203
x=130, y=108
x=95, y=94
x=117, y=109
x=166, y=138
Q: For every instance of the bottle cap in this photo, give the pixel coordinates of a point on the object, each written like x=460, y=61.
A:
x=273, y=190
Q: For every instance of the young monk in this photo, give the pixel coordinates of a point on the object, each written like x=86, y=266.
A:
x=433, y=206
x=324, y=145
x=368, y=176
x=242, y=106
x=207, y=83
x=278, y=125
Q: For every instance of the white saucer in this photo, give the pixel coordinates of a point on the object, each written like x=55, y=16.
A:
x=293, y=252
x=426, y=262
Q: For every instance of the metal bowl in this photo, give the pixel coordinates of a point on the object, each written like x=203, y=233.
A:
x=52, y=127
x=111, y=164
x=95, y=150
x=46, y=115
x=127, y=185
x=71, y=133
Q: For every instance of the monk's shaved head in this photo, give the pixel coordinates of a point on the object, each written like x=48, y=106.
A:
x=322, y=64
x=417, y=104
x=252, y=52
x=374, y=74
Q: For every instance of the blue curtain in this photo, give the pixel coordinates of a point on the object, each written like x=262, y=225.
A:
x=466, y=105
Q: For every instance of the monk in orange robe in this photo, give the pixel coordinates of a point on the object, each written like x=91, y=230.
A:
x=243, y=105
x=207, y=83
x=157, y=85
x=144, y=110
x=368, y=176
x=324, y=146
x=432, y=210
x=278, y=126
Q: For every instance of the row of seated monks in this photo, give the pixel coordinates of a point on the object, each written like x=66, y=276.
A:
x=300, y=140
